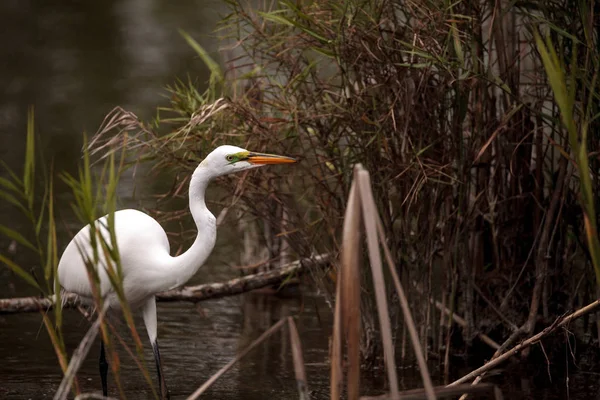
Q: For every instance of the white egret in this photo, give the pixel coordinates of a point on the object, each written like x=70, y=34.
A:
x=146, y=263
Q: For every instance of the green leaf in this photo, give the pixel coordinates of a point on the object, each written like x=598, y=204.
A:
x=457, y=44
x=216, y=75
x=11, y=173
x=10, y=186
x=20, y=271
x=12, y=234
x=555, y=78
x=273, y=17
x=51, y=266
x=9, y=198
x=325, y=52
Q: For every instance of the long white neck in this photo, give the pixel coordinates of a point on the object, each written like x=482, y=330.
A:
x=185, y=266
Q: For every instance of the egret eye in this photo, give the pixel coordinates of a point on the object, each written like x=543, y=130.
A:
x=230, y=158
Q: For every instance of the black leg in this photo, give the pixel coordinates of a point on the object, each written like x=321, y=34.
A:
x=103, y=369
x=162, y=386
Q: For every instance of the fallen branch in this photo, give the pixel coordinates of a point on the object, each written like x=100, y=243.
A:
x=525, y=344
x=187, y=293
x=442, y=392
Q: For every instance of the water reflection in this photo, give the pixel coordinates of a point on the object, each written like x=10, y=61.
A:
x=193, y=347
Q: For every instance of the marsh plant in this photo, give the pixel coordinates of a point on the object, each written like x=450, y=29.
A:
x=93, y=191
x=476, y=120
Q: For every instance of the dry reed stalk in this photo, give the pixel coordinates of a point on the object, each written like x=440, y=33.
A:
x=370, y=214
x=350, y=279
x=337, y=374
x=230, y=364
x=368, y=201
x=299, y=370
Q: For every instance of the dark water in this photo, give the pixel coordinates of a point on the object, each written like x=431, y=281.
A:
x=194, y=345
x=74, y=62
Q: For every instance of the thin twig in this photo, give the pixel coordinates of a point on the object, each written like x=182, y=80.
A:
x=525, y=344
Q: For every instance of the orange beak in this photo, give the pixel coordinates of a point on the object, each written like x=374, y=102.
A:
x=263, y=159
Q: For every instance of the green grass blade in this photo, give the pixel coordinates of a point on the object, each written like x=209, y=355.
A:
x=51, y=247
x=274, y=17
x=565, y=98
x=20, y=271
x=40, y=219
x=10, y=186
x=12, y=234
x=216, y=75
x=9, y=198
x=12, y=174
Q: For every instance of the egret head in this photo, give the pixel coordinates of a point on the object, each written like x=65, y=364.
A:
x=229, y=159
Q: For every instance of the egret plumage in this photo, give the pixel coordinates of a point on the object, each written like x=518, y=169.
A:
x=146, y=263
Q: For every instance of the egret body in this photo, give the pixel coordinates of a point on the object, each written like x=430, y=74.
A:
x=146, y=263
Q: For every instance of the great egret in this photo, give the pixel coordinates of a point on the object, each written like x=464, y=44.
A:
x=146, y=263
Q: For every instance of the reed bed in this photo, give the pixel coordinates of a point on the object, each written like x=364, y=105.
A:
x=476, y=120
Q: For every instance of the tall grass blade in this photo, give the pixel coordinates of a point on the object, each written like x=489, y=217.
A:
x=59, y=348
x=13, y=176
x=216, y=75
x=44, y=206
x=20, y=271
x=565, y=98
x=79, y=356
x=12, y=234
x=7, y=184
x=9, y=198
